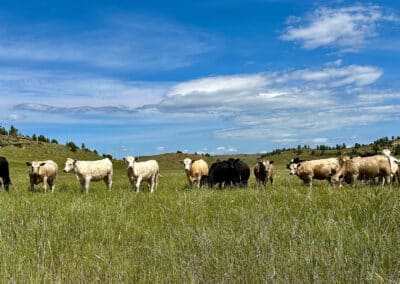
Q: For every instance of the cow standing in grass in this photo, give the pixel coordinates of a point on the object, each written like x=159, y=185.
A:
x=5, y=173
x=142, y=171
x=43, y=171
x=363, y=168
x=195, y=170
x=314, y=169
x=264, y=172
x=87, y=171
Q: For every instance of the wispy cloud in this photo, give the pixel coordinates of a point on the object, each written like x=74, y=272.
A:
x=134, y=43
x=283, y=106
x=347, y=28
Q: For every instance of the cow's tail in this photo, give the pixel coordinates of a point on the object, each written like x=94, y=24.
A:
x=159, y=175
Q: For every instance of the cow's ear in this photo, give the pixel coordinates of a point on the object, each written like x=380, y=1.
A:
x=123, y=159
x=74, y=162
x=42, y=164
x=298, y=165
x=28, y=163
x=137, y=159
x=271, y=162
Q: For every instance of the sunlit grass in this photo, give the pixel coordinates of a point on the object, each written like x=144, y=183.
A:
x=288, y=233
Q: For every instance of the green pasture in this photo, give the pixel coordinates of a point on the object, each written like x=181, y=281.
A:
x=286, y=234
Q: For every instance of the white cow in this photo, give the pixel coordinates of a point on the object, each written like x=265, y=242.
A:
x=43, y=171
x=86, y=171
x=142, y=171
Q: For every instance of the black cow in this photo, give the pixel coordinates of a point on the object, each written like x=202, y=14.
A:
x=241, y=172
x=230, y=172
x=220, y=173
x=4, y=173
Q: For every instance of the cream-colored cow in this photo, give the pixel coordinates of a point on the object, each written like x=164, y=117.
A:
x=87, y=171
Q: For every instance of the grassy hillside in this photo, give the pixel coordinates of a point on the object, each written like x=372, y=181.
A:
x=287, y=233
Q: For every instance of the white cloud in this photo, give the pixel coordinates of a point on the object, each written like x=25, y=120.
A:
x=347, y=28
x=280, y=106
x=266, y=91
x=160, y=148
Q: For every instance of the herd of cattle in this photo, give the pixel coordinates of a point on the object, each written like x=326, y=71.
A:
x=231, y=172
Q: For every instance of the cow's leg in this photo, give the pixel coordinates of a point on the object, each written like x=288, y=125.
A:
x=198, y=179
x=87, y=183
x=52, y=184
x=32, y=184
x=108, y=181
x=139, y=180
x=45, y=183
x=387, y=179
x=271, y=180
x=156, y=180
x=152, y=183
x=109, y=184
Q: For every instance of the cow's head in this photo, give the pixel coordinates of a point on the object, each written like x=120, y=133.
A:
x=130, y=161
x=35, y=166
x=187, y=163
x=293, y=168
x=267, y=164
x=69, y=165
x=336, y=179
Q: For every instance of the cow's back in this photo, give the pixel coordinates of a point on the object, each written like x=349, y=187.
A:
x=49, y=169
x=97, y=170
x=199, y=168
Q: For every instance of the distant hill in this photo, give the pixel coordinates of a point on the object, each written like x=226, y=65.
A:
x=20, y=148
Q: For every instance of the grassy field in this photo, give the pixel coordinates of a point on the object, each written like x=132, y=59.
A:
x=288, y=233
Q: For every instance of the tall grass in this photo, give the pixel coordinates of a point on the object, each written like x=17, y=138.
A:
x=288, y=233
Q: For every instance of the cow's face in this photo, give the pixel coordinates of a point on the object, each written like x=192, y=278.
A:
x=187, y=163
x=129, y=161
x=35, y=166
x=293, y=168
x=335, y=179
x=69, y=165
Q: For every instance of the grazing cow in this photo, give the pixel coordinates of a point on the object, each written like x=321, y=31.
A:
x=142, y=171
x=264, y=171
x=86, y=171
x=314, y=169
x=195, y=170
x=43, y=171
x=363, y=168
x=4, y=173
x=232, y=171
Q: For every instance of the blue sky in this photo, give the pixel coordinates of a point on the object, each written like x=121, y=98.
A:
x=149, y=77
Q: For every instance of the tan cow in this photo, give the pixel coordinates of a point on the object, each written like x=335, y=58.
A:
x=195, y=169
x=363, y=168
x=314, y=169
x=43, y=171
x=264, y=171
